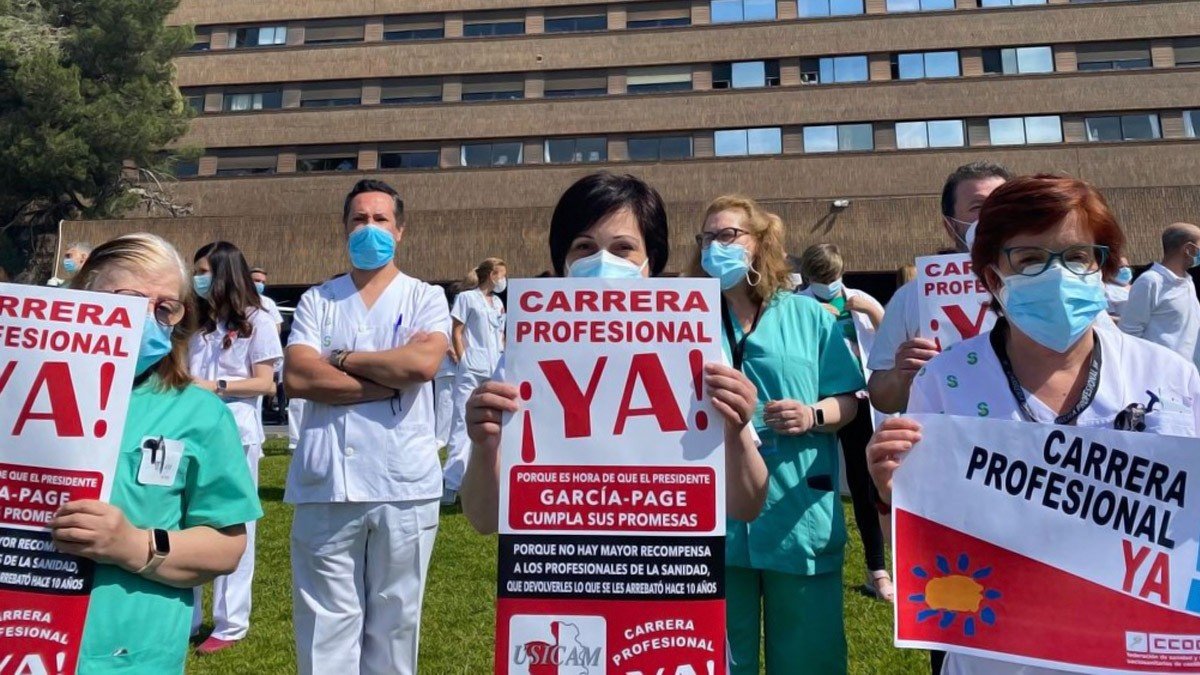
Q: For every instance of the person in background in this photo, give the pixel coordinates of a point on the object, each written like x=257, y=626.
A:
x=233, y=355
x=72, y=261
x=1043, y=245
x=1162, y=306
x=1116, y=290
x=259, y=275
x=157, y=538
x=899, y=352
x=443, y=398
x=365, y=478
x=905, y=274
x=783, y=570
x=478, y=342
x=858, y=316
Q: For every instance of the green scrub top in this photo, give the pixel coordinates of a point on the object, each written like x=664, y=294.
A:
x=135, y=625
x=797, y=352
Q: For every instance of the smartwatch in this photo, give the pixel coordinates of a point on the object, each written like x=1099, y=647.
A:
x=222, y=385
x=160, y=547
x=818, y=416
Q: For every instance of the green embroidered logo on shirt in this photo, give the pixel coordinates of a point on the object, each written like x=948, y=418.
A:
x=952, y=382
x=983, y=409
x=972, y=358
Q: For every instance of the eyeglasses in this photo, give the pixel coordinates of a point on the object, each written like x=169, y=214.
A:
x=726, y=235
x=167, y=312
x=1081, y=259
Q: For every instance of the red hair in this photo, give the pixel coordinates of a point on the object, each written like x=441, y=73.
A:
x=1035, y=204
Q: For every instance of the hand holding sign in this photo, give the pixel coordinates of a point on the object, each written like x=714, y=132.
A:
x=99, y=531
x=914, y=354
x=733, y=395
x=788, y=417
x=896, y=436
x=485, y=413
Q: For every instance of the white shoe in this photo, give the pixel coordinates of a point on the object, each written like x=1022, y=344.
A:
x=449, y=496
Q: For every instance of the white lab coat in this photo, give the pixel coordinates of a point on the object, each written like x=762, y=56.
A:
x=483, y=337
x=1163, y=309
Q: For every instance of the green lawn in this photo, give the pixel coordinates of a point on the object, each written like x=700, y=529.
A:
x=459, y=601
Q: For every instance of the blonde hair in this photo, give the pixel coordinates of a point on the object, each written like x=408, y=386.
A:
x=905, y=274
x=769, y=270
x=481, y=272
x=822, y=263
x=141, y=254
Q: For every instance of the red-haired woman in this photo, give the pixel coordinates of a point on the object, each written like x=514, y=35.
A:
x=1043, y=245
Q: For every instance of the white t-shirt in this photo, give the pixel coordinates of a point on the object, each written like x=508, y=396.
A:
x=901, y=322
x=1163, y=309
x=967, y=380
x=1116, y=295
x=483, y=328
x=378, y=451
x=209, y=360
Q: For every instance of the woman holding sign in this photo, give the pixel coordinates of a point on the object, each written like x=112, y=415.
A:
x=784, y=569
x=233, y=355
x=182, y=494
x=1043, y=246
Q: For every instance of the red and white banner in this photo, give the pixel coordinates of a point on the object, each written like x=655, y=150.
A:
x=612, y=481
x=66, y=369
x=953, y=301
x=1061, y=547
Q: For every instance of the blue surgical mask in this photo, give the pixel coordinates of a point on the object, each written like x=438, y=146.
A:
x=202, y=283
x=604, y=265
x=156, y=343
x=727, y=262
x=371, y=248
x=1124, y=276
x=827, y=291
x=1196, y=259
x=1054, y=308
x=260, y=287
x=70, y=266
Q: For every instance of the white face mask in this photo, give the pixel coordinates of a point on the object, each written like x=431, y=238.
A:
x=500, y=285
x=604, y=265
x=968, y=238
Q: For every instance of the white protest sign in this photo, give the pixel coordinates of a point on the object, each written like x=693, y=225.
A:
x=952, y=301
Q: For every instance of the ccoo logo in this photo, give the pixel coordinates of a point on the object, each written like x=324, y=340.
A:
x=556, y=645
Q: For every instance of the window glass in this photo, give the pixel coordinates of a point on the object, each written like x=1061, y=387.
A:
x=730, y=143
x=477, y=154
x=730, y=11
x=821, y=139
x=759, y=10
x=1035, y=60
x=946, y=134
x=1007, y=131
x=1009, y=3
x=856, y=137
x=919, y=5
x=910, y=135
x=412, y=159
x=766, y=141
x=815, y=8
x=1191, y=123
x=675, y=147
x=651, y=148
x=577, y=24
x=1140, y=127
x=1103, y=128
x=941, y=64
x=576, y=150
x=323, y=163
x=1043, y=129
x=910, y=66
x=843, y=69
x=749, y=74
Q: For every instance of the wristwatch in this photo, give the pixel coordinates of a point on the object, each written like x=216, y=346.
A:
x=160, y=547
x=818, y=417
x=337, y=358
x=222, y=385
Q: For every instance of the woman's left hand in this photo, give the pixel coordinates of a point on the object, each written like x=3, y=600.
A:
x=788, y=417
x=101, y=532
x=733, y=394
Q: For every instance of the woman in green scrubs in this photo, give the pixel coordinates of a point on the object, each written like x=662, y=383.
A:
x=165, y=529
x=784, y=568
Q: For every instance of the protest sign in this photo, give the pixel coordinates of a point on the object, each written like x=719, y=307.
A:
x=612, y=481
x=1055, y=546
x=953, y=302
x=66, y=369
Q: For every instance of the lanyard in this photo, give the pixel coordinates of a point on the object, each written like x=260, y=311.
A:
x=737, y=347
x=1014, y=385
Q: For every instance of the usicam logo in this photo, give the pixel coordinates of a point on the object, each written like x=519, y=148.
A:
x=556, y=645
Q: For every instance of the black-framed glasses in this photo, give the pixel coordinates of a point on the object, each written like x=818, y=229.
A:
x=167, y=311
x=726, y=235
x=1081, y=259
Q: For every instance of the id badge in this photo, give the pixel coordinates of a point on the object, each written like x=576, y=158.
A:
x=160, y=460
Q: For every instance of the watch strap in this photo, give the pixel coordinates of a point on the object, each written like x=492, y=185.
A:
x=156, y=557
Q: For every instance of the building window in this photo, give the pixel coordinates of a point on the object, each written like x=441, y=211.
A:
x=740, y=142
x=193, y=98
x=576, y=150
x=573, y=84
x=494, y=24
x=258, y=36
x=833, y=69
x=235, y=101
x=919, y=5
x=1191, y=123
x=1018, y=60
x=313, y=160
x=1138, y=127
x=409, y=159
x=1009, y=3
x=932, y=134
x=817, y=8
x=658, y=15
x=746, y=74
x=576, y=19
x=732, y=11
x=839, y=138
x=923, y=65
x=658, y=79
x=1113, y=55
x=493, y=87
x=203, y=41
x=334, y=32
x=182, y=167
x=655, y=148
x=1025, y=130
x=246, y=162
x=411, y=91
x=1187, y=52
x=422, y=27
x=330, y=94
x=506, y=153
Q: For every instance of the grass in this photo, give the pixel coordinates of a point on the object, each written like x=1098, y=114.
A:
x=457, y=629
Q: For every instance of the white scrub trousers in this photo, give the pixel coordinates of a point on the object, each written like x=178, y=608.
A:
x=459, y=452
x=231, y=593
x=443, y=408
x=358, y=572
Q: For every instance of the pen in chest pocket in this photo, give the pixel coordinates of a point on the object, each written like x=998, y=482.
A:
x=396, y=326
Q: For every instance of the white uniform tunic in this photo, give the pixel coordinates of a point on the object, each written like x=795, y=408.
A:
x=901, y=322
x=1163, y=309
x=967, y=380
x=1116, y=295
x=483, y=337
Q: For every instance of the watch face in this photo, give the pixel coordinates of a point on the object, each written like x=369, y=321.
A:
x=162, y=542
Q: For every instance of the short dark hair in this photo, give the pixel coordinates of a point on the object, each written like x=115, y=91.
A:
x=595, y=197
x=372, y=185
x=972, y=171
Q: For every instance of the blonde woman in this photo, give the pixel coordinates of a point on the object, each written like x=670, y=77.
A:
x=478, y=341
x=784, y=569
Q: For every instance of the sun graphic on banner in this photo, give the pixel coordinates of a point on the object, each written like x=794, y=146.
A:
x=955, y=593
